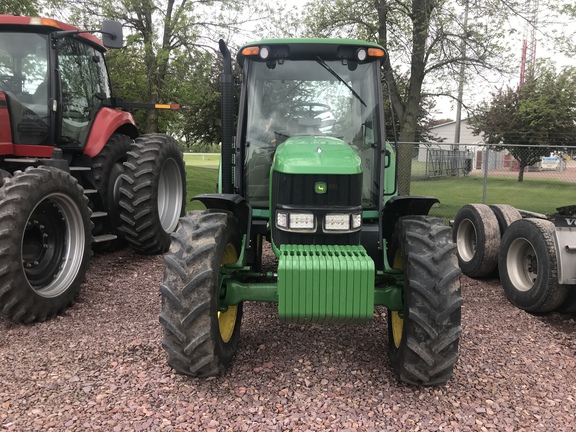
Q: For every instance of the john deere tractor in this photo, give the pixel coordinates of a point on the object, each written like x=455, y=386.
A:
x=75, y=174
x=309, y=170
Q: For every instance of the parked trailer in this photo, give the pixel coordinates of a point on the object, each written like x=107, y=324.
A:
x=533, y=254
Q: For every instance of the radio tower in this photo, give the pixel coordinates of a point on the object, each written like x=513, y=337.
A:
x=529, y=43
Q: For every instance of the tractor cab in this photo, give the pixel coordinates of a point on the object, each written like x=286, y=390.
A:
x=316, y=106
x=53, y=80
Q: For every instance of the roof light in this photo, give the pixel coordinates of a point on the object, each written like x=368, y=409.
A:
x=361, y=54
x=44, y=22
x=248, y=51
x=264, y=52
x=375, y=52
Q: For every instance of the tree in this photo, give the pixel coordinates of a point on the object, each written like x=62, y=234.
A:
x=541, y=114
x=165, y=41
x=428, y=42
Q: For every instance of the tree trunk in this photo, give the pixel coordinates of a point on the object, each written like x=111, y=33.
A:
x=521, y=169
x=420, y=16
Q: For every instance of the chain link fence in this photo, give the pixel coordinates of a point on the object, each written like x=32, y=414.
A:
x=532, y=178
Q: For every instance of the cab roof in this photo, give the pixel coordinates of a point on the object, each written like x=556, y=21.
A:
x=310, y=48
x=45, y=26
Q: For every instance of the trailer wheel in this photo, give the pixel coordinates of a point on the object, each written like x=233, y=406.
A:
x=45, y=239
x=423, y=338
x=505, y=214
x=200, y=338
x=108, y=168
x=477, y=236
x=528, y=266
x=153, y=192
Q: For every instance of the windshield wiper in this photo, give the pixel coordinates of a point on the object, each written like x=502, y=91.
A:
x=339, y=78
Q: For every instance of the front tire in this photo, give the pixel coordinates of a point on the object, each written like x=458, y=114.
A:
x=199, y=339
x=153, y=192
x=529, y=268
x=45, y=239
x=423, y=338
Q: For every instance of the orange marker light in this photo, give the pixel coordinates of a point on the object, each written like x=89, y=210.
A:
x=251, y=51
x=44, y=22
x=375, y=52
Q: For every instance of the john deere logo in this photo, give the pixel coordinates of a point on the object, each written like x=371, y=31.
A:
x=320, y=188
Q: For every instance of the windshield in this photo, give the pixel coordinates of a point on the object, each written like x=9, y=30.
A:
x=23, y=73
x=310, y=97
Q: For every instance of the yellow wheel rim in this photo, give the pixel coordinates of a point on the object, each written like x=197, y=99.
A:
x=227, y=320
x=396, y=322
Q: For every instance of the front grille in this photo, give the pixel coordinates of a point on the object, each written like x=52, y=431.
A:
x=299, y=192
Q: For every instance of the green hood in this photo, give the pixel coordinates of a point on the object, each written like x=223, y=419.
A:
x=316, y=155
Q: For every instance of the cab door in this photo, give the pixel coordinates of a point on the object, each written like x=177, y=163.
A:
x=83, y=87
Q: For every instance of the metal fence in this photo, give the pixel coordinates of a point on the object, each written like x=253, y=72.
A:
x=533, y=178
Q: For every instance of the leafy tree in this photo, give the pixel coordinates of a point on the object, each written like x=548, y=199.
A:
x=19, y=7
x=428, y=42
x=540, y=114
x=166, y=41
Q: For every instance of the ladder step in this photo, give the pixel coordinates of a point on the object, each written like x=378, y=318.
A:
x=99, y=214
x=104, y=238
x=80, y=168
x=21, y=160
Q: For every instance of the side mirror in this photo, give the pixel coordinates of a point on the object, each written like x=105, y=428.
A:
x=112, y=34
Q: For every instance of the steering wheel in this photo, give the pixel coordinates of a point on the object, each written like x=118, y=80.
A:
x=297, y=109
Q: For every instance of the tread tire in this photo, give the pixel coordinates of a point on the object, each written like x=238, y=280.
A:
x=531, y=286
x=506, y=215
x=45, y=239
x=153, y=192
x=477, y=235
x=430, y=328
x=190, y=294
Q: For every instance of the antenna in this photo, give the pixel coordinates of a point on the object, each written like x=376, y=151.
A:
x=529, y=43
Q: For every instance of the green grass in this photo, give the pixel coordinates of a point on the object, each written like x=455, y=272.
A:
x=202, y=159
x=199, y=180
x=537, y=195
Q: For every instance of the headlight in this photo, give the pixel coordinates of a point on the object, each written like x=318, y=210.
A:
x=295, y=221
x=337, y=222
x=300, y=221
x=343, y=222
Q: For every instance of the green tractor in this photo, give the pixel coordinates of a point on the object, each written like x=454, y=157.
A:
x=310, y=171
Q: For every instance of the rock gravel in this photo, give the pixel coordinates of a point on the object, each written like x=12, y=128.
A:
x=100, y=367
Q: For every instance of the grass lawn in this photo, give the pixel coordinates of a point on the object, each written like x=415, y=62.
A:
x=202, y=159
x=537, y=195
x=199, y=180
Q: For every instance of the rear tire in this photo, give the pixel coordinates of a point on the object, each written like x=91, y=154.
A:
x=4, y=175
x=528, y=266
x=153, y=192
x=108, y=168
x=477, y=236
x=200, y=340
x=423, y=343
x=506, y=215
x=45, y=239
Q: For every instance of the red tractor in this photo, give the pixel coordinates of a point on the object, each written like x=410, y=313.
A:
x=74, y=173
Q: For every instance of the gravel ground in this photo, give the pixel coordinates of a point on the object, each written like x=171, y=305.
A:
x=101, y=367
